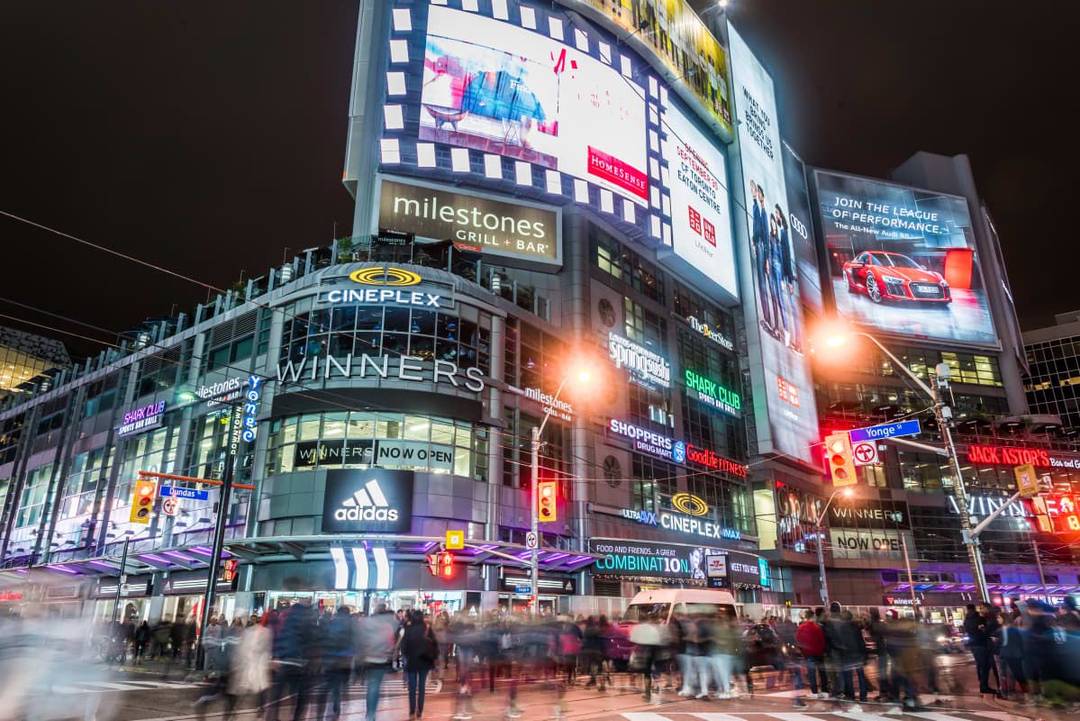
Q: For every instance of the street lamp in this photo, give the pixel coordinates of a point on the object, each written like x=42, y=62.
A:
x=819, y=525
x=835, y=336
x=581, y=377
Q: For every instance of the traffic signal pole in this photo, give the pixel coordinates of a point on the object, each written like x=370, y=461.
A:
x=943, y=416
x=534, y=492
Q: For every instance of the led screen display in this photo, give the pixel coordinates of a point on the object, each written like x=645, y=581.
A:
x=700, y=206
x=502, y=89
x=779, y=371
x=677, y=36
x=902, y=260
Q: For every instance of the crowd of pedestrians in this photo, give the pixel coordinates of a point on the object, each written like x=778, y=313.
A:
x=299, y=662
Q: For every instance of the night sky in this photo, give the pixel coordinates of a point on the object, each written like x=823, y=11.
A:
x=207, y=137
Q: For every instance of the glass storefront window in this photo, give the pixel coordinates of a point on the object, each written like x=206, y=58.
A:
x=454, y=447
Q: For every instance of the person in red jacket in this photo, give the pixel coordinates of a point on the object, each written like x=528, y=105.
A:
x=810, y=638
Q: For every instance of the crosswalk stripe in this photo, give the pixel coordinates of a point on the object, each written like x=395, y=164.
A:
x=936, y=716
x=1002, y=716
x=712, y=716
x=794, y=716
x=645, y=717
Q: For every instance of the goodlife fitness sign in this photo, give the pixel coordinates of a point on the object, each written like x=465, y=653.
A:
x=1017, y=456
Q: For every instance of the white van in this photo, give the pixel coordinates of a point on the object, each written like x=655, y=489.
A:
x=665, y=602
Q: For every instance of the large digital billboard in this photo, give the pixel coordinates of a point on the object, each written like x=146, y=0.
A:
x=677, y=36
x=780, y=374
x=700, y=204
x=902, y=260
x=502, y=89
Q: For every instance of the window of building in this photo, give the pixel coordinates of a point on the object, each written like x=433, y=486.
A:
x=653, y=483
x=644, y=327
x=623, y=264
x=35, y=490
x=351, y=439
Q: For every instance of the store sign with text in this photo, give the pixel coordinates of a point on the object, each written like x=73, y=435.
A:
x=385, y=453
x=711, y=333
x=646, y=441
x=397, y=368
x=644, y=366
x=716, y=462
x=869, y=514
x=552, y=406
x=854, y=544
x=367, y=501
x=474, y=223
x=143, y=418
x=1018, y=456
x=712, y=393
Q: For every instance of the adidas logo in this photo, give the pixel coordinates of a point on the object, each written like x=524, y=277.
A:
x=367, y=504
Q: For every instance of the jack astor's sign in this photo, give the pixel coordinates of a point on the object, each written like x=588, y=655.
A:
x=474, y=223
x=364, y=366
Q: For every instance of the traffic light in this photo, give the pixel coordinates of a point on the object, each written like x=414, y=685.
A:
x=142, y=501
x=441, y=564
x=838, y=459
x=230, y=571
x=545, y=505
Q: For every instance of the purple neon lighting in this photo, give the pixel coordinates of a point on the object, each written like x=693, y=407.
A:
x=202, y=550
x=555, y=557
x=177, y=555
x=102, y=564
x=152, y=557
x=63, y=569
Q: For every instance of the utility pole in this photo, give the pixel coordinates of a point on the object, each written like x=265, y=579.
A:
x=1038, y=562
x=907, y=565
x=943, y=415
x=122, y=580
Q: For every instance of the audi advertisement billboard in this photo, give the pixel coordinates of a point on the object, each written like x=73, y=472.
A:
x=903, y=261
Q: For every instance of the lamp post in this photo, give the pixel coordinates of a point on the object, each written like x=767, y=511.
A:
x=534, y=491
x=846, y=493
x=943, y=416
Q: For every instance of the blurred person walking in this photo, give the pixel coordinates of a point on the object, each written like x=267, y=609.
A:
x=648, y=639
x=377, y=647
x=810, y=639
x=420, y=651
x=980, y=642
x=339, y=645
x=296, y=655
x=249, y=673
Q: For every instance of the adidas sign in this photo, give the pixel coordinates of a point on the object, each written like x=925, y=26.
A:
x=367, y=504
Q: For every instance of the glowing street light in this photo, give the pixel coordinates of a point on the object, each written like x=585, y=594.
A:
x=829, y=338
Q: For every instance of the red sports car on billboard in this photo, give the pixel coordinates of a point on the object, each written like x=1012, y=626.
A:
x=883, y=276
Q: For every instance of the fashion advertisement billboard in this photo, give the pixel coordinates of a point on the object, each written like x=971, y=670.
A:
x=787, y=425
x=677, y=36
x=700, y=206
x=801, y=224
x=902, y=260
x=503, y=89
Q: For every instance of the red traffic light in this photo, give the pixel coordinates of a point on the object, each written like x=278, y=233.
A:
x=546, y=506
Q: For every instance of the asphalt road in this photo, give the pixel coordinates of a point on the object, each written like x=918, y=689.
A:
x=143, y=695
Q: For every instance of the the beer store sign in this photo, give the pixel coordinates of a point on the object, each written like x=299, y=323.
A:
x=711, y=333
x=712, y=393
x=474, y=223
x=143, y=418
x=364, y=366
x=644, y=366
